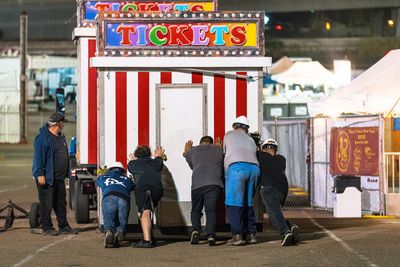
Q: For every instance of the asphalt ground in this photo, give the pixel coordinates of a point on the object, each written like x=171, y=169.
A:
x=324, y=240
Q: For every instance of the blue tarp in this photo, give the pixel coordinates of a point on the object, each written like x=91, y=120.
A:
x=396, y=124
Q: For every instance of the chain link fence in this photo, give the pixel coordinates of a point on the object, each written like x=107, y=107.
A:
x=9, y=117
x=322, y=182
x=291, y=136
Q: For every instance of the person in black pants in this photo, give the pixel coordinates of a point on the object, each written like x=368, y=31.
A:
x=274, y=189
x=148, y=187
x=50, y=168
x=206, y=161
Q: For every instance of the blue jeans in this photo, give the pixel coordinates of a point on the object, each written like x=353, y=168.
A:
x=114, y=208
x=241, y=182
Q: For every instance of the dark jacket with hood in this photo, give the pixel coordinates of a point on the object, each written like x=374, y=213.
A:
x=43, y=157
x=146, y=172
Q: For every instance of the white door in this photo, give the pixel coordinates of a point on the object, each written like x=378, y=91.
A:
x=181, y=116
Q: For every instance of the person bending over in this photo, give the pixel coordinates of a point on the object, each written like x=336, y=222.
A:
x=149, y=188
x=116, y=188
x=274, y=189
x=206, y=161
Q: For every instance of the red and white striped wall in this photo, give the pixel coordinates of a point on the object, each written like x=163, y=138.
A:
x=87, y=102
x=130, y=106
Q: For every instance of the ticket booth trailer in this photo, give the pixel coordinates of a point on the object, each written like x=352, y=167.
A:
x=159, y=94
x=84, y=35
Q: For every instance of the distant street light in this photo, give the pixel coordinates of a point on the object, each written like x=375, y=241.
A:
x=328, y=26
x=266, y=19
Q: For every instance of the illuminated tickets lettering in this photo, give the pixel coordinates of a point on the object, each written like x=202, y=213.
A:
x=227, y=34
x=91, y=8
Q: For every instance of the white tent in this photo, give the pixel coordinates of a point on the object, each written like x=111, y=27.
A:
x=305, y=73
x=281, y=65
x=374, y=91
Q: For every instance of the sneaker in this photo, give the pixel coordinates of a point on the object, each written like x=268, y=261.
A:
x=119, y=237
x=50, y=231
x=109, y=240
x=67, y=230
x=211, y=241
x=287, y=239
x=251, y=239
x=237, y=240
x=100, y=229
x=194, y=239
x=142, y=244
x=295, y=232
x=36, y=231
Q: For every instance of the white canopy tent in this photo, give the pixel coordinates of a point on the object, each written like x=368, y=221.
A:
x=305, y=73
x=374, y=91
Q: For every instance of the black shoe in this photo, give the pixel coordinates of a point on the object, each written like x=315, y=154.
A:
x=67, y=230
x=295, y=232
x=49, y=231
x=109, y=240
x=287, y=239
x=211, y=241
x=119, y=237
x=194, y=239
x=142, y=244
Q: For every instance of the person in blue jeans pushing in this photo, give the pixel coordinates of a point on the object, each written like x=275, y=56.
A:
x=116, y=188
x=241, y=173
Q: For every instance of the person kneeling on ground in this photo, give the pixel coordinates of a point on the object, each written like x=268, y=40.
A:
x=274, y=190
x=149, y=189
x=206, y=161
x=116, y=188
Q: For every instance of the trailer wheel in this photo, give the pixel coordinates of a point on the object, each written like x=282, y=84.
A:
x=81, y=204
x=34, y=215
x=72, y=192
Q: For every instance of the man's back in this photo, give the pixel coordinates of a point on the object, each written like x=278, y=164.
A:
x=206, y=161
x=239, y=147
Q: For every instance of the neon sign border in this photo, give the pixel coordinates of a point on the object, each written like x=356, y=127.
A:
x=256, y=17
x=85, y=23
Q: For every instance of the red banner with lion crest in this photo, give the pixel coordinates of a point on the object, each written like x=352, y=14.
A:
x=354, y=151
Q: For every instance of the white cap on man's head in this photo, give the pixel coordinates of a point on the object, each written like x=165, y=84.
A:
x=242, y=120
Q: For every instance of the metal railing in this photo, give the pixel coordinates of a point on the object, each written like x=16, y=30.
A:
x=392, y=176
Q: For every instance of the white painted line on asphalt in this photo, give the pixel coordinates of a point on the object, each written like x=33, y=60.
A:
x=347, y=247
x=13, y=189
x=31, y=256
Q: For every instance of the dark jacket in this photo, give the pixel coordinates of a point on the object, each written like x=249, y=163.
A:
x=273, y=171
x=146, y=171
x=115, y=183
x=43, y=161
x=207, y=163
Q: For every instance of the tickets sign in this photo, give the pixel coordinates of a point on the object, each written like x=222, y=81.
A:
x=89, y=9
x=354, y=151
x=188, y=33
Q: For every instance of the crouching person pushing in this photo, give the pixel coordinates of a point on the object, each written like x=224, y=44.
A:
x=116, y=188
x=274, y=190
x=149, y=189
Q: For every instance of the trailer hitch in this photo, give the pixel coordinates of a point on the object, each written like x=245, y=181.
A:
x=32, y=215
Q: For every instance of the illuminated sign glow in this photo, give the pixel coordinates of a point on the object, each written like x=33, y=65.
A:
x=89, y=9
x=181, y=34
x=144, y=33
